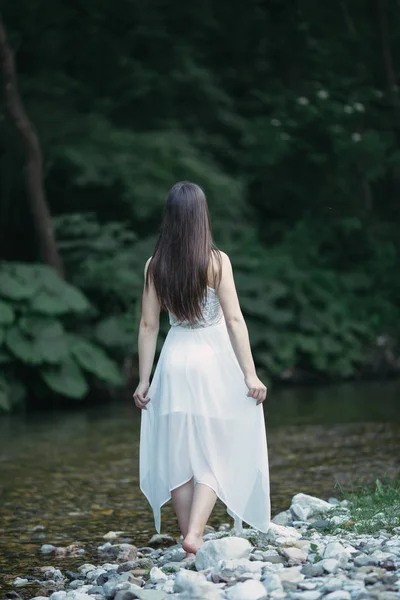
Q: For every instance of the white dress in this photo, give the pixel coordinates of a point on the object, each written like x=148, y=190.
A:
x=200, y=423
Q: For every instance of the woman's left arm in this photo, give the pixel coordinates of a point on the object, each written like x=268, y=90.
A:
x=147, y=340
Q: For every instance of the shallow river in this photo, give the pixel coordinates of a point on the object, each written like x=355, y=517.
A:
x=76, y=473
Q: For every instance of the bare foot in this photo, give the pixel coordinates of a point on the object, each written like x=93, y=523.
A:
x=190, y=555
x=192, y=543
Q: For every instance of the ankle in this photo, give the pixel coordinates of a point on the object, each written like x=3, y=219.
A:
x=195, y=533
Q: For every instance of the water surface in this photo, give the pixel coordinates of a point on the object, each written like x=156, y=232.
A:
x=76, y=473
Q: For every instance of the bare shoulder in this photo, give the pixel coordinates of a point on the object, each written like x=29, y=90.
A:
x=220, y=266
x=226, y=265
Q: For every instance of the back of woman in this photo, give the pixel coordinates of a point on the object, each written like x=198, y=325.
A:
x=202, y=430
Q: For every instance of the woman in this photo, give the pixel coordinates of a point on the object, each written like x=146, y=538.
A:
x=202, y=430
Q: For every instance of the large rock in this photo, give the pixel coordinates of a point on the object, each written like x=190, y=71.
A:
x=304, y=506
x=226, y=548
x=291, y=574
x=278, y=534
x=294, y=555
x=191, y=582
x=76, y=595
x=247, y=590
x=272, y=583
x=338, y=595
x=157, y=576
x=330, y=565
x=238, y=567
x=336, y=550
x=283, y=518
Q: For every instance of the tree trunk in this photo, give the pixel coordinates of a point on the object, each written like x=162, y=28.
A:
x=34, y=162
x=386, y=50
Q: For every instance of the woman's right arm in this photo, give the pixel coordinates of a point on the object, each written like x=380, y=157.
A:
x=237, y=330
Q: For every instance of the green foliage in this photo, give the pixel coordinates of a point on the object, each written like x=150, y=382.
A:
x=296, y=146
x=373, y=508
x=39, y=338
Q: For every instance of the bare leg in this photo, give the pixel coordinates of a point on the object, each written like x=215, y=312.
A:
x=204, y=499
x=182, y=501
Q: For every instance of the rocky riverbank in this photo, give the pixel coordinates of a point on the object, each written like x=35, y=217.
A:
x=302, y=557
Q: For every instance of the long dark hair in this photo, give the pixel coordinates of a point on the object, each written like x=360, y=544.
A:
x=182, y=256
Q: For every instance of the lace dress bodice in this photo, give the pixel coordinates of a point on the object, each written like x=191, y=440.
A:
x=212, y=313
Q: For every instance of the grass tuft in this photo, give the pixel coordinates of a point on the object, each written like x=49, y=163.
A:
x=372, y=508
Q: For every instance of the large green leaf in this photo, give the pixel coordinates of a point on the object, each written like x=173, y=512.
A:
x=22, y=346
x=17, y=281
x=66, y=379
x=36, y=339
x=93, y=359
x=116, y=331
x=58, y=302
x=6, y=313
x=56, y=296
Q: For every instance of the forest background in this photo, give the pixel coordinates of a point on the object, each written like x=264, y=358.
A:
x=287, y=113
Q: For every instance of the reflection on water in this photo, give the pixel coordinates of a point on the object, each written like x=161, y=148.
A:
x=76, y=473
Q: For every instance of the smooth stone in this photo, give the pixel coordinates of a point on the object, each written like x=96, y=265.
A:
x=338, y=595
x=280, y=534
x=272, y=556
x=85, y=568
x=190, y=581
x=77, y=595
x=96, y=589
x=300, y=513
x=112, y=535
x=310, y=504
x=109, y=588
x=95, y=573
x=239, y=567
x=126, y=566
x=126, y=552
x=291, y=574
x=363, y=560
x=142, y=563
x=150, y=594
x=39, y=598
x=58, y=595
x=226, y=548
x=333, y=501
x=282, y=518
x=272, y=583
x=333, y=584
x=330, y=565
x=77, y=583
x=336, y=550
x=20, y=581
x=315, y=570
x=71, y=575
x=161, y=539
x=294, y=555
x=47, y=548
x=307, y=595
x=175, y=555
x=157, y=576
x=247, y=590
x=105, y=576
x=321, y=524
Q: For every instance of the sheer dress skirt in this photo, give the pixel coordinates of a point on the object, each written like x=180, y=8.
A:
x=200, y=423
